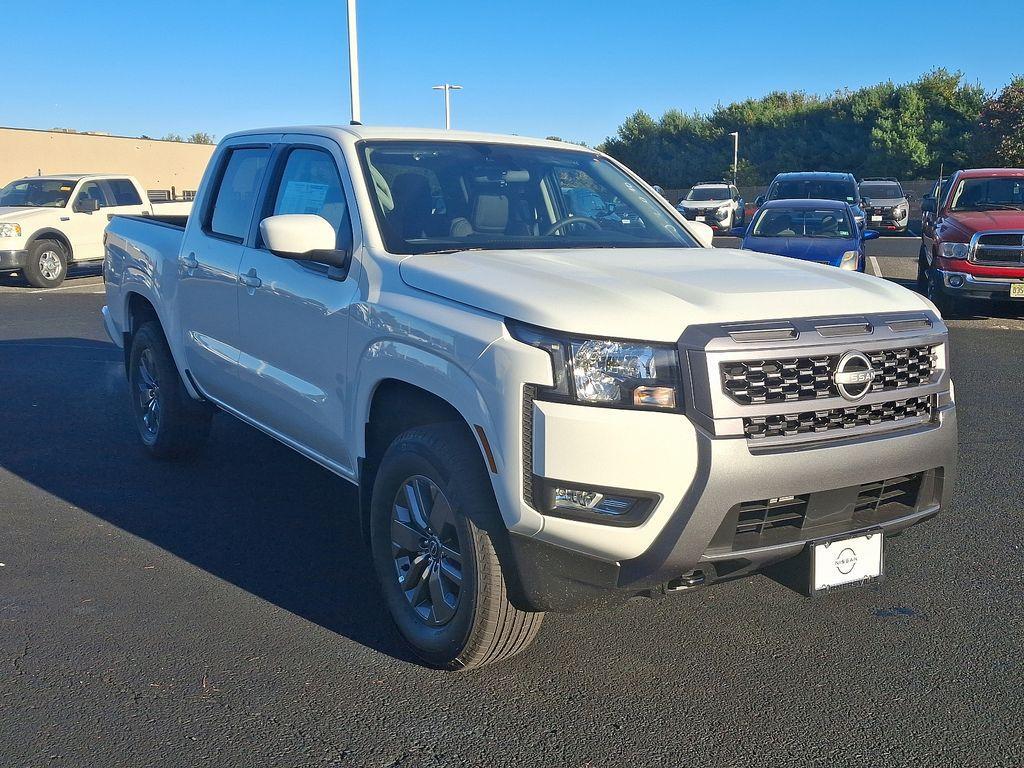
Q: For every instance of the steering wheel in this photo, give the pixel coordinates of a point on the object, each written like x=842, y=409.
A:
x=572, y=220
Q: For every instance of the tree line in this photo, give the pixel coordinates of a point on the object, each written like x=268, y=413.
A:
x=905, y=130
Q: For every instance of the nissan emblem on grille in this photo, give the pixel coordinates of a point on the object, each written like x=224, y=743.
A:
x=854, y=376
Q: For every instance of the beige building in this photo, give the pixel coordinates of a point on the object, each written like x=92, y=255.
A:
x=156, y=164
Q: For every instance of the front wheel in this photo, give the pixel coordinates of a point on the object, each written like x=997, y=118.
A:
x=438, y=570
x=47, y=264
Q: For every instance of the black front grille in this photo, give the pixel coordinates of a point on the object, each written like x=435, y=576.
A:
x=766, y=522
x=815, y=422
x=1003, y=248
x=779, y=380
x=529, y=394
x=890, y=497
x=755, y=517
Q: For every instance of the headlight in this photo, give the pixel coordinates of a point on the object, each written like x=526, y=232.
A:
x=10, y=230
x=607, y=372
x=723, y=211
x=901, y=211
x=851, y=260
x=954, y=250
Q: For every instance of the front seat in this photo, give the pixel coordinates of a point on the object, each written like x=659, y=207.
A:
x=489, y=217
x=414, y=205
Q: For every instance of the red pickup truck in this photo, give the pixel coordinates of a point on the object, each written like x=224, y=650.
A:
x=975, y=248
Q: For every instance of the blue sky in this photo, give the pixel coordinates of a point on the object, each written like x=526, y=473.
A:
x=572, y=69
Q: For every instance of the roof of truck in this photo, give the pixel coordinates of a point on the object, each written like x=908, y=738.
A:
x=980, y=173
x=73, y=176
x=360, y=132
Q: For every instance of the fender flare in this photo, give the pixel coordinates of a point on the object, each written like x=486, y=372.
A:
x=51, y=233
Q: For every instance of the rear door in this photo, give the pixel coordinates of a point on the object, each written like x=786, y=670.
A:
x=294, y=316
x=124, y=198
x=208, y=264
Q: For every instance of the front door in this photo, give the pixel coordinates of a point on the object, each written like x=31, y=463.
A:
x=293, y=316
x=208, y=268
x=85, y=229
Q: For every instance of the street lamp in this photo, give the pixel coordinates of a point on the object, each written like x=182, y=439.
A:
x=447, y=88
x=735, y=154
x=353, y=62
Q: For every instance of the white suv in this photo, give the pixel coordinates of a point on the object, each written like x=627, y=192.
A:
x=716, y=204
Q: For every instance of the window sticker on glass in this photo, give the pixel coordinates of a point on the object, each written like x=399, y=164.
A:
x=302, y=197
x=65, y=188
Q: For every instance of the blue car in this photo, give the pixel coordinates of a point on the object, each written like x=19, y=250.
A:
x=823, y=231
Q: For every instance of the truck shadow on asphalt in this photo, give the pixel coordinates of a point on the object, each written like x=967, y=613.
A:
x=247, y=510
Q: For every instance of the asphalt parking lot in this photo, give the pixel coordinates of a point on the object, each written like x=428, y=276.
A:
x=223, y=612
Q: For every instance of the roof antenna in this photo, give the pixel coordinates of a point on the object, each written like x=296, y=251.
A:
x=353, y=62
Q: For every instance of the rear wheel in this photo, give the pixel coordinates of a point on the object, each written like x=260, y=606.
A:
x=47, y=264
x=171, y=423
x=438, y=570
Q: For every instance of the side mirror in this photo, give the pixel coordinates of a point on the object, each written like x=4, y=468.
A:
x=909, y=195
x=928, y=204
x=759, y=201
x=738, y=231
x=87, y=205
x=304, y=237
x=869, y=234
x=705, y=235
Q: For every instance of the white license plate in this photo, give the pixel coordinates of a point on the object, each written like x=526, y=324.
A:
x=1017, y=291
x=876, y=218
x=700, y=218
x=846, y=561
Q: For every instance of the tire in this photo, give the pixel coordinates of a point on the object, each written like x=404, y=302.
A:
x=47, y=264
x=949, y=306
x=171, y=424
x=437, y=569
x=922, y=271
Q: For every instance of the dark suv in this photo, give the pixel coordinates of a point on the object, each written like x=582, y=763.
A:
x=817, y=185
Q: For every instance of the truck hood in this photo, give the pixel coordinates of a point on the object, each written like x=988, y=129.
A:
x=981, y=221
x=650, y=294
x=19, y=214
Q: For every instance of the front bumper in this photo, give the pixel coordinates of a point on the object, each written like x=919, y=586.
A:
x=710, y=217
x=722, y=480
x=10, y=260
x=699, y=543
x=975, y=287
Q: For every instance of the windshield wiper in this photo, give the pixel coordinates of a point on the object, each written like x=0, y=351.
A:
x=999, y=206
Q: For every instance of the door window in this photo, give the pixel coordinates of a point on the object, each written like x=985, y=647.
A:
x=124, y=192
x=236, y=194
x=310, y=184
x=91, y=190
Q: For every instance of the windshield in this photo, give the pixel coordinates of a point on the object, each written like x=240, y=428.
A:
x=32, y=193
x=803, y=222
x=448, y=196
x=1005, y=193
x=881, y=190
x=813, y=189
x=709, y=193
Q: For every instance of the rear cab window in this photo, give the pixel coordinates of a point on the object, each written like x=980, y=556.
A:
x=123, y=192
x=238, y=184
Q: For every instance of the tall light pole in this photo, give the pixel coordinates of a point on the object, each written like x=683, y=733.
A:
x=447, y=88
x=735, y=154
x=353, y=63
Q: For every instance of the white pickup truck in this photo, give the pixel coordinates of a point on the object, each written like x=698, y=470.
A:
x=49, y=222
x=543, y=411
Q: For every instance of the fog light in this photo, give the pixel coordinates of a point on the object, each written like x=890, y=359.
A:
x=573, y=498
x=956, y=281
x=661, y=397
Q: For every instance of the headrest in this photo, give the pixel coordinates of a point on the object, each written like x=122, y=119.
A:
x=490, y=213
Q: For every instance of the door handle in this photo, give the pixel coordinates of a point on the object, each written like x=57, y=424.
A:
x=189, y=262
x=250, y=279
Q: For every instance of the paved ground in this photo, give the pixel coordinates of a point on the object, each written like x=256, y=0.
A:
x=222, y=613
